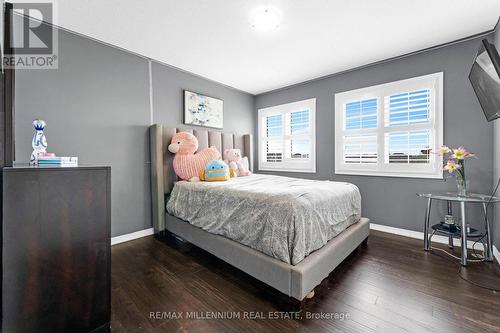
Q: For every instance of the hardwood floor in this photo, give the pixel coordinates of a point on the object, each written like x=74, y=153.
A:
x=392, y=285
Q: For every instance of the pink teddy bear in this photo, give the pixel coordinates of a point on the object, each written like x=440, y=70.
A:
x=187, y=163
x=234, y=160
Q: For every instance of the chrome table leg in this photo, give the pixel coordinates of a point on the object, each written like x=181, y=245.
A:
x=464, y=234
x=488, y=253
x=426, y=225
x=450, y=237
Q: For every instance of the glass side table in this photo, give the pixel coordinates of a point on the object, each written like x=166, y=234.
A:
x=471, y=198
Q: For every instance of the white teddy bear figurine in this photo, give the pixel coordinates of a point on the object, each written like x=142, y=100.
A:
x=39, y=142
x=234, y=160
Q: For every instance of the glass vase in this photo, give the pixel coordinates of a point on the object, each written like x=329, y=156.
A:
x=461, y=187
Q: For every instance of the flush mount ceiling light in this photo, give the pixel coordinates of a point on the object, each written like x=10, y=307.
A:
x=265, y=18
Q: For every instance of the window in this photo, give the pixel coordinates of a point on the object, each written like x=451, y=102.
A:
x=287, y=137
x=391, y=129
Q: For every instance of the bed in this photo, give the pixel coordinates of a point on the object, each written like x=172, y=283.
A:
x=288, y=233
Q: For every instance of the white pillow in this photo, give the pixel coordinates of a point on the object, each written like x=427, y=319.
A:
x=244, y=161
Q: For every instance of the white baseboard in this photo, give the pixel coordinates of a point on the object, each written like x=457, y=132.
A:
x=420, y=235
x=496, y=254
x=132, y=236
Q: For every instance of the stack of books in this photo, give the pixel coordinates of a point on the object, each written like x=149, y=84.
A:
x=58, y=161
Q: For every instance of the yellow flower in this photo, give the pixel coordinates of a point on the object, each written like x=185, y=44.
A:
x=459, y=153
x=444, y=150
x=451, y=166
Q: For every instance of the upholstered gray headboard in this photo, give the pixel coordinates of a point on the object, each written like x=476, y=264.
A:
x=162, y=170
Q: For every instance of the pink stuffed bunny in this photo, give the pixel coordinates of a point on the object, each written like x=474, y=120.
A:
x=187, y=163
x=234, y=160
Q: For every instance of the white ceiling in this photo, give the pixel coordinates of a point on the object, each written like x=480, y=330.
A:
x=214, y=38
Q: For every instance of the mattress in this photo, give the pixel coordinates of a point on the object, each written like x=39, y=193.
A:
x=285, y=218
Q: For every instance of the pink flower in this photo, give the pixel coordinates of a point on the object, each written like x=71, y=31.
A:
x=452, y=166
x=461, y=153
x=468, y=154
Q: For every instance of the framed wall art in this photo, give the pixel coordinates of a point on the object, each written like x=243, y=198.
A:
x=201, y=110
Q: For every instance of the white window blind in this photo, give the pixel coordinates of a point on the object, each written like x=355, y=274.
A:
x=407, y=147
x=408, y=108
x=360, y=149
x=287, y=137
x=274, y=151
x=361, y=114
x=274, y=132
x=391, y=129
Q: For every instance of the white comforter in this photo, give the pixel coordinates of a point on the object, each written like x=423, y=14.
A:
x=285, y=218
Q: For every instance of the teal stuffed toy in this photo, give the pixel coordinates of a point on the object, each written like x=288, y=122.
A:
x=216, y=171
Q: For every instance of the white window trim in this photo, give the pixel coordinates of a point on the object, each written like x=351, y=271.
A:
x=289, y=165
x=434, y=81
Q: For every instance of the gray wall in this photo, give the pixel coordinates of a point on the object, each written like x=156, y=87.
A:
x=97, y=107
x=496, y=162
x=168, y=99
x=392, y=201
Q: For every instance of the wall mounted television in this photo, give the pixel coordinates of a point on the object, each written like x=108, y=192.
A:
x=485, y=79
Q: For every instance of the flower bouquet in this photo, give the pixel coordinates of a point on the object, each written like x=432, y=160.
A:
x=455, y=165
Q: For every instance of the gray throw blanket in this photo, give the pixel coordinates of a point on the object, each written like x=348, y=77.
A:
x=285, y=218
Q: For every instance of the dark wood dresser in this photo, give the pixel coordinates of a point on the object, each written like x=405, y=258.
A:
x=56, y=251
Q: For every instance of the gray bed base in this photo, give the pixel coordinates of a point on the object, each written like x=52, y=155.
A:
x=295, y=281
